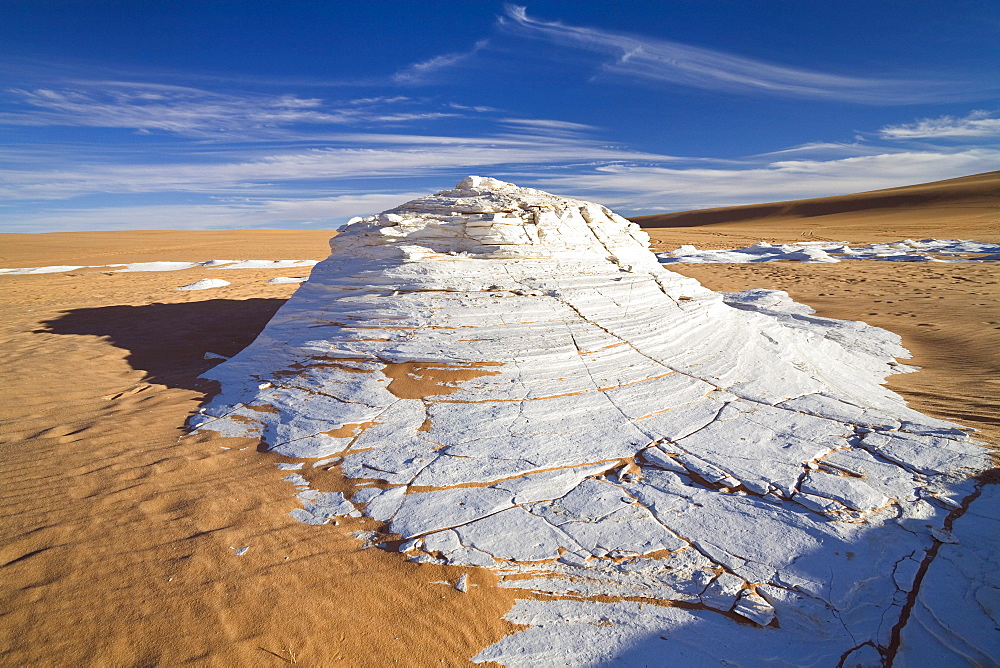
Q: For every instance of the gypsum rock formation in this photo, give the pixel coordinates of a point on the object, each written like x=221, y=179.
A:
x=516, y=383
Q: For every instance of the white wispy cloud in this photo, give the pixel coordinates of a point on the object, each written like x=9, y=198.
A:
x=321, y=212
x=547, y=125
x=196, y=113
x=173, y=109
x=977, y=124
x=662, y=61
x=659, y=188
x=381, y=99
x=631, y=189
x=273, y=172
x=478, y=108
x=424, y=71
x=413, y=116
x=245, y=160
x=826, y=148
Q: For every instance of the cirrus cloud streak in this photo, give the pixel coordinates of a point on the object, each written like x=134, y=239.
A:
x=275, y=172
x=977, y=124
x=659, y=61
x=656, y=188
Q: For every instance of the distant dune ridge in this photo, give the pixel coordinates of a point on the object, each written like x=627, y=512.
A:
x=927, y=209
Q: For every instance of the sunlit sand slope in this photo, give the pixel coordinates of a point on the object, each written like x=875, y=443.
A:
x=964, y=208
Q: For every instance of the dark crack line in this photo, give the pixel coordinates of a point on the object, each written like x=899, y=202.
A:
x=911, y=600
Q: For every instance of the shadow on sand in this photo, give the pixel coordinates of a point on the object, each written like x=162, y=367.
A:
x=169, y=341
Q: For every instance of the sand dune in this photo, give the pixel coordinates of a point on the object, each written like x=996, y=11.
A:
x=963, y=208
x=120, y=537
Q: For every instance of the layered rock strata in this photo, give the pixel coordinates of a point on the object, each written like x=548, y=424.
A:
x=516, y=383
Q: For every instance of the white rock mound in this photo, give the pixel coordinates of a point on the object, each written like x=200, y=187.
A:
x=530, y=391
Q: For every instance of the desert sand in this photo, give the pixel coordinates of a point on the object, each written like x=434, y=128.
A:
x=966, y=208
x=120, y=534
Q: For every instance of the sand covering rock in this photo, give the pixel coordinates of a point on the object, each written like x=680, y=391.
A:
x=587, y=423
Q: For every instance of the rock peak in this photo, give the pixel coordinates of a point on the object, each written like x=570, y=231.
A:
x=483, y=183
x=487, y=218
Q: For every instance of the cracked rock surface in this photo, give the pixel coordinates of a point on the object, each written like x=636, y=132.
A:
x=521, y=386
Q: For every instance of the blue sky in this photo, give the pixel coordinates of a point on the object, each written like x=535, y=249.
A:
x=301, y=114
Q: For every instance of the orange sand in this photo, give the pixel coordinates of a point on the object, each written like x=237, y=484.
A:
x=118, y=537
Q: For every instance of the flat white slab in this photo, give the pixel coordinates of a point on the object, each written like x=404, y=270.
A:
x=289, y=279
x=205, y=284
x=54, y=269
x=270, y=264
